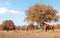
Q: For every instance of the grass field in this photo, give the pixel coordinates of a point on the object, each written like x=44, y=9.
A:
x=30, y=34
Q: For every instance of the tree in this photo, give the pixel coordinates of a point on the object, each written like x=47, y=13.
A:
x=7, y=23
x=41, y=13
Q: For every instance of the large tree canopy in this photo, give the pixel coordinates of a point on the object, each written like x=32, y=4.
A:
x=7, y=23
x=41, y=13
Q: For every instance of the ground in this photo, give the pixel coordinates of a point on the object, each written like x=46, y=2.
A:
x=30, y=34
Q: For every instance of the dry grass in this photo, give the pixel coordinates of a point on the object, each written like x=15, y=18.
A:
x=30, y=34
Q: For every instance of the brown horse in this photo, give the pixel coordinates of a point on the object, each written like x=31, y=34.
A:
x=1, y=28
x=10, y=27
x=49, y=27
x=30, y=27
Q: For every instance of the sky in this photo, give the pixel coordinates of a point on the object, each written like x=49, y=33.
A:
x=15, y=9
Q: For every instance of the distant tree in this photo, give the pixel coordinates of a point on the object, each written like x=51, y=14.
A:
x=41, y=13
x=18, y=27
x=7, y=23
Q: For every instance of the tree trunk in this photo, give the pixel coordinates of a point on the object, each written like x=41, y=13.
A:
x=42, y=26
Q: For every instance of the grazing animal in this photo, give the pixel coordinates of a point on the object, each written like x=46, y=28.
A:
x=49, y=27
x=30, y=27
x=36, y=27
x=1, y=28
x=10, y=27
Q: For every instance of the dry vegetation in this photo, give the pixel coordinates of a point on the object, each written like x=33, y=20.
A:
x=30, y=34
x=21, y=33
